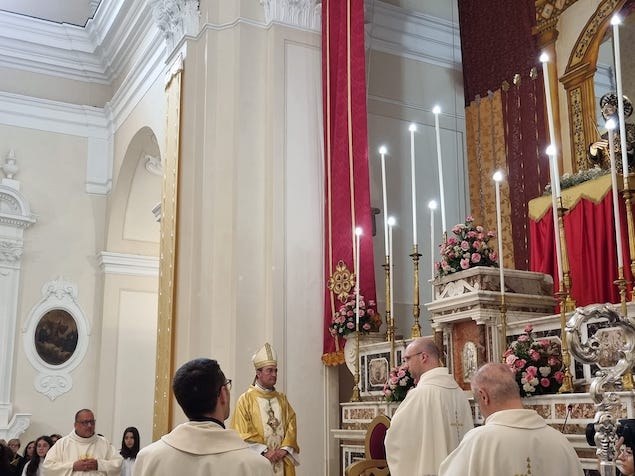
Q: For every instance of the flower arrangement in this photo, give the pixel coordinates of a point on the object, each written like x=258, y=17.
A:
x=398, y=384
x=343, y=321
x=536, y=364
x=568, y=180
x=469, y=248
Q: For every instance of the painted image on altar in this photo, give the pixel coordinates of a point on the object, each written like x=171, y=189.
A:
x=56, y=336
x=378, y=372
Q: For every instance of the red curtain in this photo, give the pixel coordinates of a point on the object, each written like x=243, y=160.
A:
x=347, y=183
x=590, y=235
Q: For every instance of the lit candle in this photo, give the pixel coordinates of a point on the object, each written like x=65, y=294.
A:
x=382, y=153
x=432, y=205
x=437, y=110
x=498, y=178
x=610, y=126
x=553, y=167
x=412, y=130
x=544, y=59
x=616, y=21
x=358, y=233
x=391, y=224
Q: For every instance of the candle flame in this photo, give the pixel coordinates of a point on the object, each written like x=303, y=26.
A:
x=358, y=231
x=412, y=128
x=544, y=58
x=616, y=20
x=610, y=124
x=498, y=176
x=551, y=150
x=436, y=109
x=383, y=150
x=391, y=221
x=432, y=205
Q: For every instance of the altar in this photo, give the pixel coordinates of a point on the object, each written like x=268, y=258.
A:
x=466, y=314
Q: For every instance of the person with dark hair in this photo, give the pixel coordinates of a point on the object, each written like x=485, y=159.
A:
x=513, y=440
x=42, y=446
x=264, y=417
x=129, y=449
x=82, y=450
x=433, y=418
x=202, y=446
x=55, y=437
x=29, y=450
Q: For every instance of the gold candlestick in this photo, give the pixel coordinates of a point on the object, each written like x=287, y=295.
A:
x=355, y=397
x=390, y=324
x=620, y=282
x=626, y=194
x=566, y=302
x=415, y=330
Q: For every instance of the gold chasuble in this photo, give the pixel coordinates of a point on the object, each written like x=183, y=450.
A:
x=267, y=418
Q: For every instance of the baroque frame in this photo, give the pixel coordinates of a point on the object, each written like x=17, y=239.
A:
x=54, y=380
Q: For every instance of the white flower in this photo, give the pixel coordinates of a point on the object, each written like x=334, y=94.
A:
x=544, y=371
x=529, y=388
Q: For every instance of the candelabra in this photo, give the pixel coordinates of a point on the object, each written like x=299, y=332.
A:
x=355, y=396
x=607, y=404
x=390, y=322
x=620, y=282
x=415, y=331
x=566, y=302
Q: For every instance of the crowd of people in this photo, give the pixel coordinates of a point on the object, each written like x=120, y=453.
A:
x=263, y=440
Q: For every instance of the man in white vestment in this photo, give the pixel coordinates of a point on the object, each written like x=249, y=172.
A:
x=433, y=418
x=202, y=446
x=82, y=451
x=513, y=440
x=265, y=419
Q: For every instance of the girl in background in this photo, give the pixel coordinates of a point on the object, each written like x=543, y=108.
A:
x=129, y=449
x=42, y=446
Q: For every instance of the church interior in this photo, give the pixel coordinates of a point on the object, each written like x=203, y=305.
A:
x=184, y=178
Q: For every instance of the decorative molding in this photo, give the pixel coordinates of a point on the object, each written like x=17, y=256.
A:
x=153, y=165
x=128, y=264
x=55, y=380
x=18, y=424
x=176, y=19
x=14, y=209
x=306, y=14
x=413, y=35
x=10, y=251
x=10, y=166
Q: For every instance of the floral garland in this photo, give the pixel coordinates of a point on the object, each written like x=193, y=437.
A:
x=536, y=364
x=568, y=180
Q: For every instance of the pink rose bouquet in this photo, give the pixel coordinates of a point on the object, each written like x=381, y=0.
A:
x=537, y=364
x=467, y=249
x=398, y=384
x=344, y=322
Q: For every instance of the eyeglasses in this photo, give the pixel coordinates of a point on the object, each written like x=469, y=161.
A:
x=406, y=358
x=86, y=422
x=228, y=384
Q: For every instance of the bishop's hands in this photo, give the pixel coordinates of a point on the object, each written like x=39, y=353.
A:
x=275, y=456
x=88, y=464
x=599, y=148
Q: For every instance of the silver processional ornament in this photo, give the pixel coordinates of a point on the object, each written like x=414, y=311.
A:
x=607, y=403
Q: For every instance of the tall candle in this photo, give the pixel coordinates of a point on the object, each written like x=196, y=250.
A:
x=553, y=166
x=432, y=205
x=544, y=59
x=610, y=126
x=498, y=178
x=412, y=130
x=358, y=233
x=616, y=21
x=437, y=110
x=382, y=153
x=391, y=224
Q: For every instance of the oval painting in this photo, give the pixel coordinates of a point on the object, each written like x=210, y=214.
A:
x=56, y=337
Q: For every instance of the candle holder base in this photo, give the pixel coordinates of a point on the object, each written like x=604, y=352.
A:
x=415, y=330
x=627, y=380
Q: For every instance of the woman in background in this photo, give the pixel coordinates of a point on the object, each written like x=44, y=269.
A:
x=29, y=451
x=42, y=446
x=129, y=449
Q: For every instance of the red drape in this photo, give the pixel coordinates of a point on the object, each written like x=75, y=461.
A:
x=347, y=184
x=590, y=235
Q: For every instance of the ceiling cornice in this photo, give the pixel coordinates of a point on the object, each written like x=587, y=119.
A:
x=101, y=52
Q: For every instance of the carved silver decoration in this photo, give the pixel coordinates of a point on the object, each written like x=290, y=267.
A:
x=300, y=13
x=588, y=352
x=153, y=165
x=176, y=18
x=10, y=167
